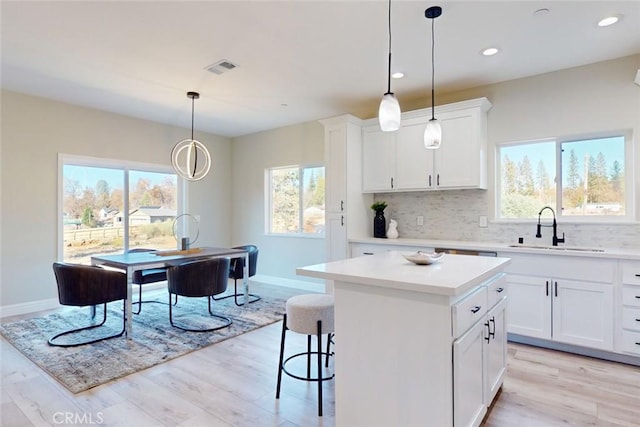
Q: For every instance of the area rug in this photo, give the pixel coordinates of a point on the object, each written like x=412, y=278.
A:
x=154, y=340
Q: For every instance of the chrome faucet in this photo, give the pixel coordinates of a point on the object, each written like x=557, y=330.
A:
x=555, y=239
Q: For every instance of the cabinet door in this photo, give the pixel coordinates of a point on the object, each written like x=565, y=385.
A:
x=583, y=313
x=414, y=163
x=336, y=235
x=468, y=366
x=529, y=306
x=378, y=159
x=335, y=168
x=495, y=350
x=461, y=159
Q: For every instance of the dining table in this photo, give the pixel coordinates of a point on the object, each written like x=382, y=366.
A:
x=129, y=262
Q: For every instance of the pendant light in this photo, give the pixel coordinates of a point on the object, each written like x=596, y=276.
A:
x=184, y=156
x=433, y=131
x=389, y=111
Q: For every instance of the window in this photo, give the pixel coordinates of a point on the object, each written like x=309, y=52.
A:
x=94, y=212
x=593, y=179
x=296, y=200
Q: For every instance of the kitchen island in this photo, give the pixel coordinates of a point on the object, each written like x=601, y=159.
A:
x=416, y=345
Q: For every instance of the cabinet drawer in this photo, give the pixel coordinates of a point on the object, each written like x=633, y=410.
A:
x=496, y=290
x=631, y=296
x=631, y=273
x=631, y=318
x=469, y=311
x=631, y=342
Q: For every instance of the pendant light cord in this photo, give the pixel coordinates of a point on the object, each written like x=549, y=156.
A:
x=195, y=159
x=389, y=71
x=433, y=92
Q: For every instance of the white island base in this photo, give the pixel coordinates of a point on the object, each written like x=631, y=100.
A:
x=399, y=327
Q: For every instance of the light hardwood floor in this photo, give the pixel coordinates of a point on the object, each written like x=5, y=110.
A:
x=233, y=384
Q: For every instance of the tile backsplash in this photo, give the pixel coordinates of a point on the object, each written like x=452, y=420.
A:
x=454, y=215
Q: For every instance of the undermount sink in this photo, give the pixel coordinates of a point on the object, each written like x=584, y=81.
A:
x=556, y=248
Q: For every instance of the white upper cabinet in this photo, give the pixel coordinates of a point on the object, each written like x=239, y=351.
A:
x=398, y=161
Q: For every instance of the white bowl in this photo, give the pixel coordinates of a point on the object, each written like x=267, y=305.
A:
x=424, y=258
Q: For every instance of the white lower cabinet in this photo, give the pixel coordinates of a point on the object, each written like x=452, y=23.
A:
x=468, y=384
x=630, y=334
x=479, y=353
x=495, y=350
x=574, y=304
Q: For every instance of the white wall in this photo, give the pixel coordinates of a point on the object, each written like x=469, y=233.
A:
x=34, y=130
x=252, y=154
x=599, y=97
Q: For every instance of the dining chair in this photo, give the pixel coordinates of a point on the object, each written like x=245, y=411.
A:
x=198, y=278
x=144, y=277
x=85, y=285
x=236, y=272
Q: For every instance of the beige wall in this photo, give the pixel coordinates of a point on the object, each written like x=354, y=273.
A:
x=301, y=144
x=34, y=130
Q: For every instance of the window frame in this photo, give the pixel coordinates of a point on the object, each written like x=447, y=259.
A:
x=269, y=202
x=630, y=165
x=123, y=165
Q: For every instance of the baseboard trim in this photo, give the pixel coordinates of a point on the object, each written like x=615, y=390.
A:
x=289, y=283
x=569, y=348
x=28, y=307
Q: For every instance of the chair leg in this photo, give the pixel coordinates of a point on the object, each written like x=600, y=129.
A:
x=235, y=295
x=319, y=368
x=329, y=337
x=227, y=321
x=281, y=360
x=308, y=357
x=52, y=342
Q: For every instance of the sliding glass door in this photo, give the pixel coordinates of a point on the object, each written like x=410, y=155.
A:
x=101, y=213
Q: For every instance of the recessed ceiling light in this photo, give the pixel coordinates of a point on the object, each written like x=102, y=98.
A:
x=490, y=51
x=541, y=12
x=609, y=20
x=397, y=75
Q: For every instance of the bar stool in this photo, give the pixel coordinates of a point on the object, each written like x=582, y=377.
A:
x=310, y=314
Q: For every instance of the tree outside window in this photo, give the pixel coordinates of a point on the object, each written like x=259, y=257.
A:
x=592, y=180
x=296, y=200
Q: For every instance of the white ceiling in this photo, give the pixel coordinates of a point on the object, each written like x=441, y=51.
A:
x=296, y=60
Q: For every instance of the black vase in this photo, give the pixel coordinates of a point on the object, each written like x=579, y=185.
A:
x=379, y=225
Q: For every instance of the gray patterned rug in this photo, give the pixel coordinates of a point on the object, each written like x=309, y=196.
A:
x=153, y=341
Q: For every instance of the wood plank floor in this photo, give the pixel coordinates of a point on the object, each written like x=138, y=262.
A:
x=233, y=384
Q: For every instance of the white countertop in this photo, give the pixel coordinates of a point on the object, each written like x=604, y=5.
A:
x=567, y=250
x=453, y=275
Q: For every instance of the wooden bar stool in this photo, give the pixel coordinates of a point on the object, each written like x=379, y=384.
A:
x=310, y=314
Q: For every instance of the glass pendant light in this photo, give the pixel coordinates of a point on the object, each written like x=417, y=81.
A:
x=433, y=131
x=389, y=111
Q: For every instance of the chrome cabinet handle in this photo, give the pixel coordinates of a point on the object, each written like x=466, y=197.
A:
x=492, y=334
x=342, y=220
x=488, y=337
x=438, y=180
x=391, y=182
x=341, y=205
x=556, y=286
x=499, y=290
x=429, y=180
x=476, y=309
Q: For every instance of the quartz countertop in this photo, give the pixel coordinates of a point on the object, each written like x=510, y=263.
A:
x=452, y=276
x=508, y=248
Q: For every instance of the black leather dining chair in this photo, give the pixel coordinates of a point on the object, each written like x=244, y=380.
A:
x=199, y=278
x=144, y=277
x=85, y=285
x=236, y=272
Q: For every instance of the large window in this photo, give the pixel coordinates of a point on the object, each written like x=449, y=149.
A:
x=94, y=212
x=586, y=178
x=296, y=200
